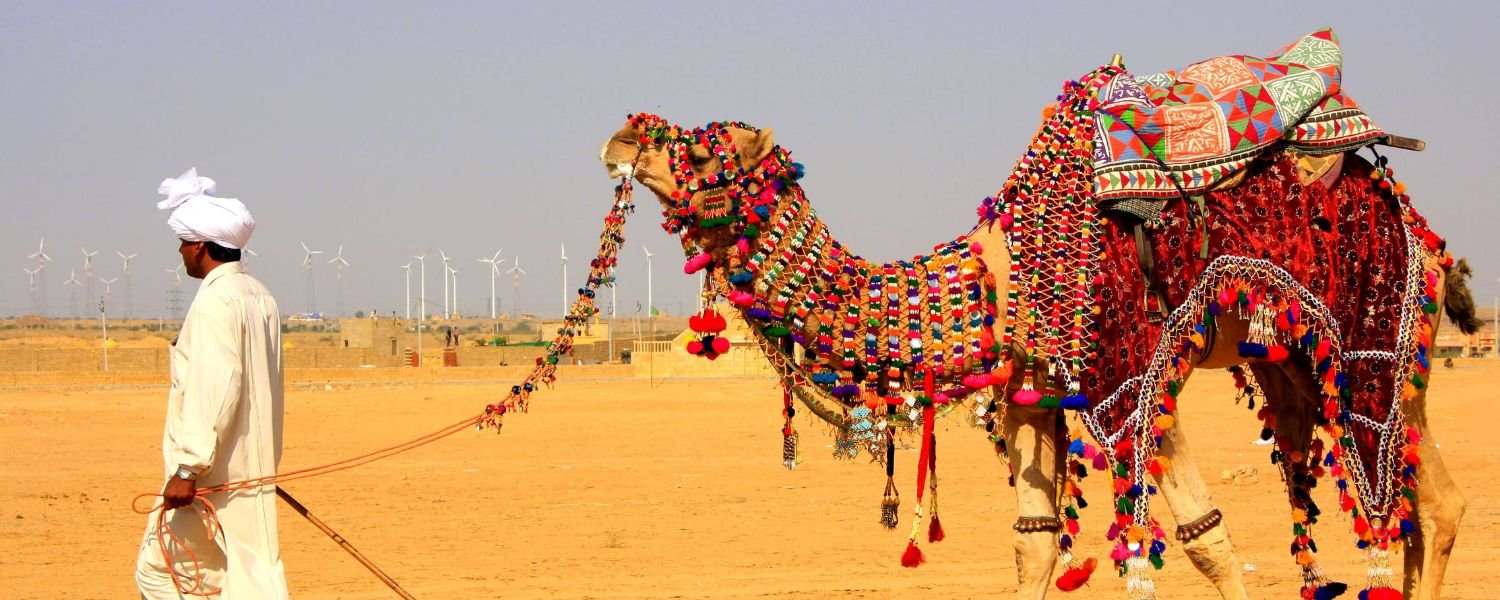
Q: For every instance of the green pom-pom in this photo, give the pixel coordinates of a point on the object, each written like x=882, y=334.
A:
x=1124, y=506
x=777, y=331
x=1049, y=402
x=1156, y=561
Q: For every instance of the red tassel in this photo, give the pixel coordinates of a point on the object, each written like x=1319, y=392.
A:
x=1381, y=593
x=935, y=530
x=1075, y=577
x=913, y=556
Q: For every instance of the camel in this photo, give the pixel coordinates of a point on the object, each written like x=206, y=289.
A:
x=732, y=196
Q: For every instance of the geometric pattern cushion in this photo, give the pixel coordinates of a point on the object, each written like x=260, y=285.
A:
x=1177, y=132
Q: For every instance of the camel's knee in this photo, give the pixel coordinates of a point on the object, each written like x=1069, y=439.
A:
x=1438, y=515
x=1035, y=544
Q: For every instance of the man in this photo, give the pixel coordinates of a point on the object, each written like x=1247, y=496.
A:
x=223, y=412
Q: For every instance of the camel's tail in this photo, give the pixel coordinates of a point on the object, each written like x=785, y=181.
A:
x=1458, y=301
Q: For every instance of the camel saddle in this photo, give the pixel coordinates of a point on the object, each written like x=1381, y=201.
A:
x=1179, y=134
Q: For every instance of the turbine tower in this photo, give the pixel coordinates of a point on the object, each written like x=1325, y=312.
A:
x=88, y=275
x=445, y=282
x=494, y=262
x=564, y=248
x=312, y=292
x=407, y=268
x=339, y=263
x=516, y=272
x=129, y=289
x=73, y=284
x=39, y=296
x=650, y=308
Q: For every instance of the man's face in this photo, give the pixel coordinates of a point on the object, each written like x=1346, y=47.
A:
x=193, y=254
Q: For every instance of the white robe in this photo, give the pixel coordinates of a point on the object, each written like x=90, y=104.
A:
x=224, y=417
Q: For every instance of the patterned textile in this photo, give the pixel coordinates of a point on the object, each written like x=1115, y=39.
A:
x=1353, y=296
x=1172, y=133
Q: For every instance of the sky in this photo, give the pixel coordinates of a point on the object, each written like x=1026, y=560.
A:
x=401, y=128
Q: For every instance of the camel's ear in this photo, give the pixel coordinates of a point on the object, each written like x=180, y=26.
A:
x=757, y=147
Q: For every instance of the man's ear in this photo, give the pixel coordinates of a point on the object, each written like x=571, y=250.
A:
x=757, y=147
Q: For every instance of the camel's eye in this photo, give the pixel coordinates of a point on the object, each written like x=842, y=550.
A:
x=699, y=156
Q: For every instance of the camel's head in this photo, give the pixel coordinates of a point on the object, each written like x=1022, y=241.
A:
x=705, y=178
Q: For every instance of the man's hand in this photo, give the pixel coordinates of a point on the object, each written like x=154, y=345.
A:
x=179, y=492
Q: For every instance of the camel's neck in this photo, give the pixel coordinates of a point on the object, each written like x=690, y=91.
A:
x=858, y=322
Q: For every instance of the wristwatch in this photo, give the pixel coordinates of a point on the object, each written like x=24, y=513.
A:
x=185, y=473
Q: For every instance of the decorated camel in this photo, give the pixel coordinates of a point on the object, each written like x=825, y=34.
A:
x=1212, y=218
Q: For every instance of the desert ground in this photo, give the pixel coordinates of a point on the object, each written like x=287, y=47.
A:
x=628, y=489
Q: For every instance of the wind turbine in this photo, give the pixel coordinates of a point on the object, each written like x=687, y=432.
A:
x=339, y=263
x=88, y=273
x=31, y=281
x=650, y=307
x=445, y=282
x=421, y=304
x=494, y=262
x=40, y=289
x=407, y=267
x=73, y=284
x=129, y=289
x=174, y=296
x=564, y=248
x=307, y=262
x=422, y=291
x=107, y=288
x=453, y=281
x=516, y=272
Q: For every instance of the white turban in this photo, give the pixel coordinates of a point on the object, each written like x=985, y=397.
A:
x=198, y=216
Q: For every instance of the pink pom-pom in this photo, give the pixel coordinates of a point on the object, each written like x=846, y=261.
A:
x=1006, y=221
x=1120, y=552
x=978, y=249
x=697, y=263
x=741, y=298
x=1026, y=397
x=976, y=381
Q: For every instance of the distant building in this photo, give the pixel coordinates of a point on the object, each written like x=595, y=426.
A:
x=379, y=334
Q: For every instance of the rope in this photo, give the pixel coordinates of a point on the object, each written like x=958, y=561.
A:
x=211, y=517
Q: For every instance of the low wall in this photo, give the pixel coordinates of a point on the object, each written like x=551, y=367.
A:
x=315, y=377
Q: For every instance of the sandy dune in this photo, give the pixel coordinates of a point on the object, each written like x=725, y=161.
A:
x=616, y=489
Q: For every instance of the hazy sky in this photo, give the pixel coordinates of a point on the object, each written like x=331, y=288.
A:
x=400, y=128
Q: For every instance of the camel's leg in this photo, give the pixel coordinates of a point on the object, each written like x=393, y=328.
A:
x=1440, y=505
x=1036, y=462
x=1192, y=506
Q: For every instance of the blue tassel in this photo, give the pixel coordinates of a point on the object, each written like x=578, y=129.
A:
x=1075, y=402
x=1253, y=350
x=798, y=171
x=825, y=378
x=1407, y=527
x=741, y=278
x=1158, y=546
x=1134, y=491
x=764, y=212
x=758, y=313
x=1328, y=459
x=1330, y=590
x=1076, y=448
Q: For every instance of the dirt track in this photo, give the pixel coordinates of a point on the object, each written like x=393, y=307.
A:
x=619, y=490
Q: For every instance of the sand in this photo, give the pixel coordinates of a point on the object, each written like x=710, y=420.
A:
x=618, y=489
